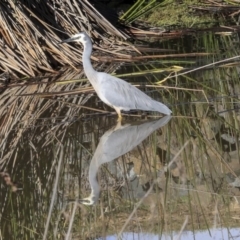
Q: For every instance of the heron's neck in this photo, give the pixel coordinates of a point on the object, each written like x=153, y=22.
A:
x=87, y=65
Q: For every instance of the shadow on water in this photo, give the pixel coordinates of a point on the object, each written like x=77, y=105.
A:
x=184, y=175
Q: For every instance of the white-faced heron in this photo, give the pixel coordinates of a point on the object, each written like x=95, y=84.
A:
x=114, y=91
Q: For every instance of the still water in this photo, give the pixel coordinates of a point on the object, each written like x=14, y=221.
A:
x=70, y=171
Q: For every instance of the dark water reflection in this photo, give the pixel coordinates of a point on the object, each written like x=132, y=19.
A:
x=189, y=167
x=114, y=143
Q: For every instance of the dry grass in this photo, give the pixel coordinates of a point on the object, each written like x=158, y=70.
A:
x=31, y=31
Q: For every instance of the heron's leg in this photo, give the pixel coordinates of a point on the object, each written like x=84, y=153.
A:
x=119, y=114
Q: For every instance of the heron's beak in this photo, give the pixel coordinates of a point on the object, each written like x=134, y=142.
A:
x=72, y=39
x=87, y=201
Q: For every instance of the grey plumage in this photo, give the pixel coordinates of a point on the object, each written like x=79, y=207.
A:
x=114, y=91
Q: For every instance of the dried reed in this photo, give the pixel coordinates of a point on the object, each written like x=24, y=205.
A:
x=31, y=30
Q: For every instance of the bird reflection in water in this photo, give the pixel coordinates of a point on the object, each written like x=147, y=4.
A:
x=114, y=143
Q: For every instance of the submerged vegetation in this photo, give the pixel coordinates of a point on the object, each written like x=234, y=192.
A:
x=184, y=14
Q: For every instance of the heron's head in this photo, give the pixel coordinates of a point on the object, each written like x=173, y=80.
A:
x=91, y=200
x=81, y=37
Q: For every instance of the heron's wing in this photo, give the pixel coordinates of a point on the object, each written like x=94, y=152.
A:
x=118, y=93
